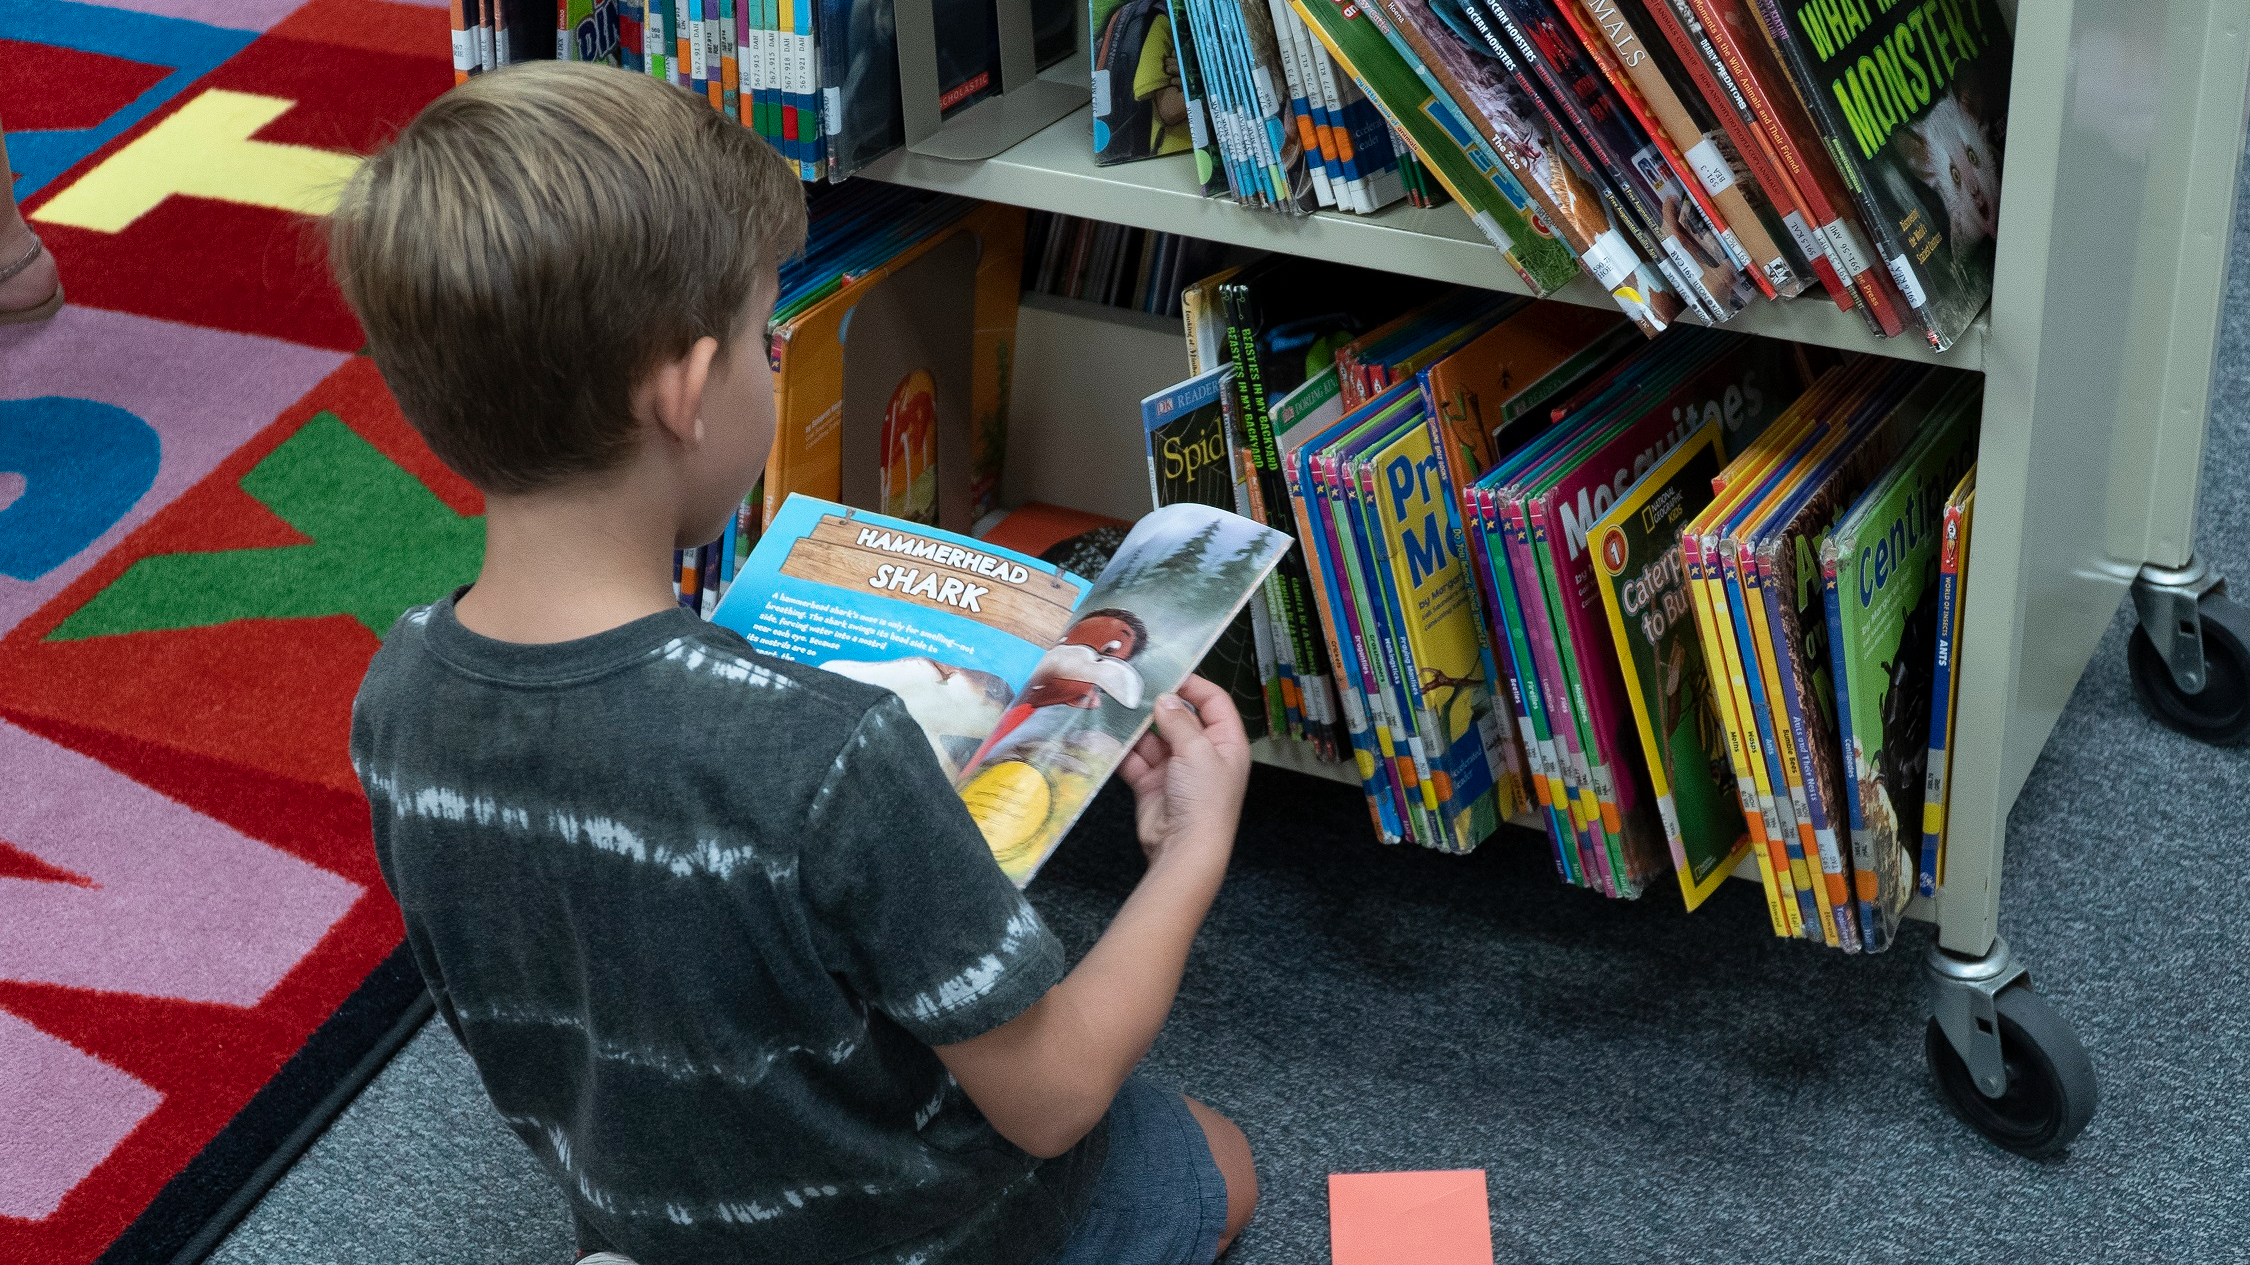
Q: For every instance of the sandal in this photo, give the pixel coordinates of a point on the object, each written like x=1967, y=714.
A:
x=30, y=315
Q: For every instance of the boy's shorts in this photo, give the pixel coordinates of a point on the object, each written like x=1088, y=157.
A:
x=1160, y=1199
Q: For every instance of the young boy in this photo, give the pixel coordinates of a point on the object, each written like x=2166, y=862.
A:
x=729, y=954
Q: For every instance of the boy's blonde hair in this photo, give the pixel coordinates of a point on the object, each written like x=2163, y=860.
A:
x=535, y=241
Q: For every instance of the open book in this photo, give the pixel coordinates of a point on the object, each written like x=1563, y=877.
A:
x=1030, y=682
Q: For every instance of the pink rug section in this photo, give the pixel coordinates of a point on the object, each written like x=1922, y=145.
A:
x=239, y=15
x=181, y=906
x=203, y=391
x=67, y=1111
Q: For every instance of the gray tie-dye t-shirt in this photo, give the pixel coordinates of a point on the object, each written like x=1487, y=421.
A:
x=699, y=915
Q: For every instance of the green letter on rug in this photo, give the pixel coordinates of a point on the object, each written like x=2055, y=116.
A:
x=381, y=542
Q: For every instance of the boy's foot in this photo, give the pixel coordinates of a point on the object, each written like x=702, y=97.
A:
x=30, y=288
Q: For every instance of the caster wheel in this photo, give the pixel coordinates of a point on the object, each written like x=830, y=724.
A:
x=2051, y=1093
x=2220, y=713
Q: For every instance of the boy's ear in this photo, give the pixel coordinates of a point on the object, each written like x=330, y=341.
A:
x=672, y=393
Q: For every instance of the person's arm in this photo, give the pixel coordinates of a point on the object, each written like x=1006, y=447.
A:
x=1045, y=1078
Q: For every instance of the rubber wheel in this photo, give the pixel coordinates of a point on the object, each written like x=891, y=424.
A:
x=2051, y=1092
x=2220, y=713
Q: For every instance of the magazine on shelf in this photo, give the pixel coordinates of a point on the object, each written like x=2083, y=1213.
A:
x=1030, y=683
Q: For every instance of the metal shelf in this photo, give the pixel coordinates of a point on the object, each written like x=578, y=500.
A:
x=1053, y=170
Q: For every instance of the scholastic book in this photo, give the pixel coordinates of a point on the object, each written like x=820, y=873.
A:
x=1189, y=462
x=1030, y=683
x=1945, y=690
x=1880, y=572
x=1912, y=102
x=1644, y=591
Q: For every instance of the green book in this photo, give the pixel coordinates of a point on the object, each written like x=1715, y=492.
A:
x=1879, y=568
x=1539, y=257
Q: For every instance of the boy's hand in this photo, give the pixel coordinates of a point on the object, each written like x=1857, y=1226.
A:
x=1188, y=775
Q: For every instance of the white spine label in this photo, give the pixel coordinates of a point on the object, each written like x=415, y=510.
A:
x=1908, y=284
x=1101, y=93
x=461, y=60
x=1199, y=130
x=1268, y=103
x=1711, y=167
x=1843, y=246
x=1610, y=260
x=832, y=102
x=1807, y=244
x=1492, y=230
x=699, y=65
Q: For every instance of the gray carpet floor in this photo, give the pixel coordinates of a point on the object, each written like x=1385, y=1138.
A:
x=1640, y=1084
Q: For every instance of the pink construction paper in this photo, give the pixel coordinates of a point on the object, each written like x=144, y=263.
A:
x=1439, y=1218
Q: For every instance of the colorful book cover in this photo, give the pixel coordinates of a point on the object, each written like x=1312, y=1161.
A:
x=1189, y=460
x=1029, y=683
x=1880, y=566
x=1912, y=103
x=1945, y=692
x=1140, y=106
x=1644, y=593
x=1441, y=645
x=1544, y=261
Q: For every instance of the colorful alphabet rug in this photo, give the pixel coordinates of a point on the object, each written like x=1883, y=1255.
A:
x=210, y=510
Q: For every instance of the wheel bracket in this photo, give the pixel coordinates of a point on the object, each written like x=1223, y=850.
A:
x=2169, y=602
x=1962, y=999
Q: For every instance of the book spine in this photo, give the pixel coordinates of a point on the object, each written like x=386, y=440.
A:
x=1539, y=738
x=1598, y=752
x=1386, y=636
x=1797, y=697
x=1784, y=744
x=1696, y=160
x=1738, y=755
x=1781, y=118
x=464, y=61
x=1779, y=834
x=1866, y=886
x=1701, y=59
x=1769, y=775
x=1321, y=551
x=1927, y=875
x=1389, y=726
x=1897, y=260
x=1562, y=717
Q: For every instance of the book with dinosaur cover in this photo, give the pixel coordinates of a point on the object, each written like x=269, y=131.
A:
x=1912, y=101
x=1030, y=683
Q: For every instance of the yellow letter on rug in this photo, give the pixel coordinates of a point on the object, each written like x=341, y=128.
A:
x=205, y=151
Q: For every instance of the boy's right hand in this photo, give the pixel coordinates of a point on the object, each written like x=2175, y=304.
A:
x=1188, y=775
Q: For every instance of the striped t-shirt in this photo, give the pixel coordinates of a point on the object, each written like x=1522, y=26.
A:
x=699, y=916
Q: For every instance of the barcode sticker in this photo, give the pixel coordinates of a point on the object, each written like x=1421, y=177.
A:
x=1711, y=167
x=1610, y=260
x=1908, y=284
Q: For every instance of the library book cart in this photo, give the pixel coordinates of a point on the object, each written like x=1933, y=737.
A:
x=2124, y=129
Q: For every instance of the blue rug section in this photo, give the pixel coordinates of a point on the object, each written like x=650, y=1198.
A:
x=191, y=49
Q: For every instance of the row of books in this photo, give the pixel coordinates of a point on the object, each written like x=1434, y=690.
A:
x=1681, y=603
x=1112, y=264
x=1695, y=156
x=1271, y=119
x=817, y=78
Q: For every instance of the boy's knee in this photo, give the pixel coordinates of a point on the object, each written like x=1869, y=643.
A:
x=1231, y=1151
